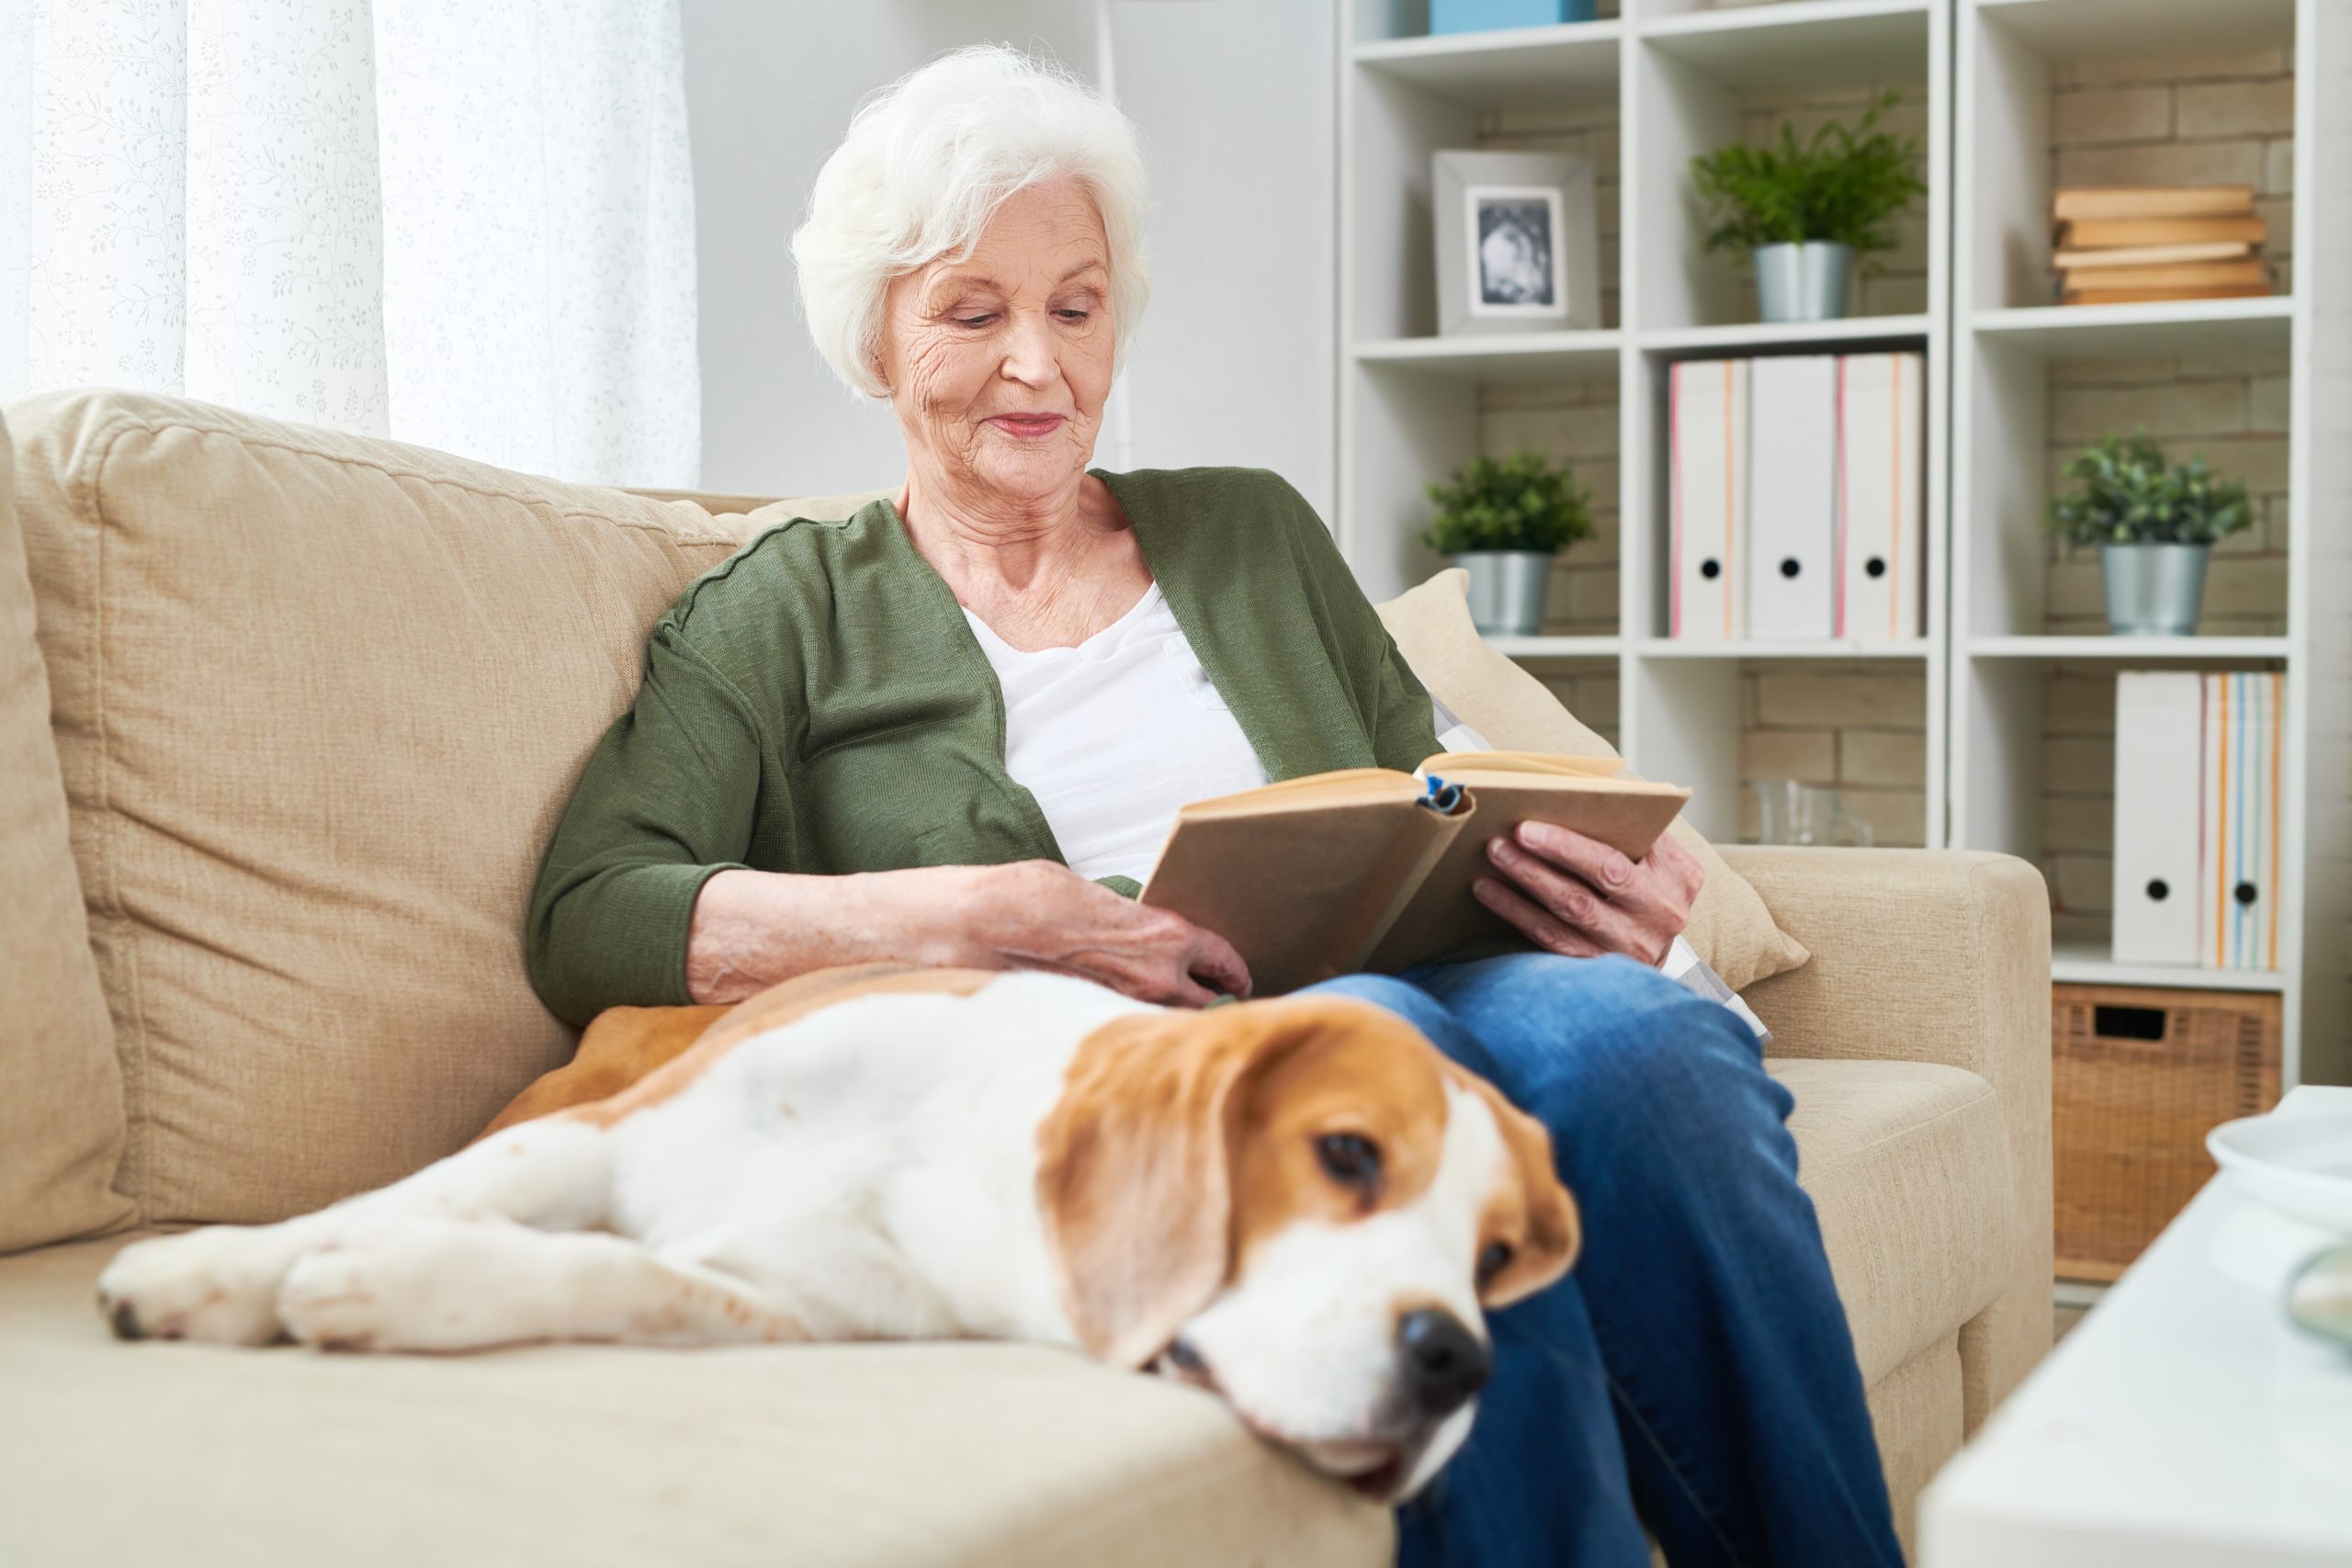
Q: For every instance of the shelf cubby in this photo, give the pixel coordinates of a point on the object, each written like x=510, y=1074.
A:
x=2053, y=93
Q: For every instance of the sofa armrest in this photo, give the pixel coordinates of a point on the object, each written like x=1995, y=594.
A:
x=1931, y=956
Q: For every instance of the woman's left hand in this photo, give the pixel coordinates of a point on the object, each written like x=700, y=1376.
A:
x=1572, y=895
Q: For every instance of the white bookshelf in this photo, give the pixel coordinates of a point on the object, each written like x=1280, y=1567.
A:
x=1678, y=76
x=2005, y=339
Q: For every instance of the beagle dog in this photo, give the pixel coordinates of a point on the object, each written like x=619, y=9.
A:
x=1296, y=1204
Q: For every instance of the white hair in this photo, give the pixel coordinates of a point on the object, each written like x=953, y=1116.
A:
x=928, y=161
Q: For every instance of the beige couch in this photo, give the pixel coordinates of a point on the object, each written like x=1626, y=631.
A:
x=275, y=770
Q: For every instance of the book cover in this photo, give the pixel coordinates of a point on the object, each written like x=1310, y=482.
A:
x=1369, y=868
x=2183, y=275
x=2153, y=201
x=2247, y=229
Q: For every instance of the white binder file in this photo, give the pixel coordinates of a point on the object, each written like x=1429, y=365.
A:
x=2240, y=777
x=2158, y=742
x=1881, y=493
x=1793, y=498
x=1707, y=431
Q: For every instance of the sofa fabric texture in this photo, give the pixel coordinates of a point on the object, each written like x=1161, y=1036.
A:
x=313, y=703
x=60, y=1092
x=1730, y=928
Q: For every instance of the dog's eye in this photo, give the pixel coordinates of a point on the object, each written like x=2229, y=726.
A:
x=1349, y=1159
x=1493, y=1261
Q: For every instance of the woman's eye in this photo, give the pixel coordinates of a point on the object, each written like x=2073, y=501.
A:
x=1072, y=315
x=974, y=321
x=1349, y=1159
x=1493, y=1261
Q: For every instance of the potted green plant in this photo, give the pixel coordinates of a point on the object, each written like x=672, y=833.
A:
x=1504, y=519
x=2155, y=524
x=1805, y=212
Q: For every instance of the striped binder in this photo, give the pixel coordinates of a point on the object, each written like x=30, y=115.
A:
x=2238, y=807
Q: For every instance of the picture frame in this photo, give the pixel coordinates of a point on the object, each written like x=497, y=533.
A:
x=1517, y=249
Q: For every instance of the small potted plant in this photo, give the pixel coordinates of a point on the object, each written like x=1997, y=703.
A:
x=2155, y=526
x=1504, y=519
x=1805, y=212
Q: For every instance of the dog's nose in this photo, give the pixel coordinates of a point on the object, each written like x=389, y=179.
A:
x=1445, y=1364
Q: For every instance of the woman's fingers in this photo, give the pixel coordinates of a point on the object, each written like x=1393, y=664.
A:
x=1604, y=869
x=1215, y=960
x=1538, y=925
x=1630, y=928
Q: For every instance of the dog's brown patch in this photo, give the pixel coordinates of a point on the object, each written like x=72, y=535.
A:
x=633, y=1058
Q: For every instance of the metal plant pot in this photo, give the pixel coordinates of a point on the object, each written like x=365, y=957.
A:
x=2153, y=590
x=1805, y=282
x=1507, y=590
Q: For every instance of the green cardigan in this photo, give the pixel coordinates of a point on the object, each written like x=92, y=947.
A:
x=816, y=703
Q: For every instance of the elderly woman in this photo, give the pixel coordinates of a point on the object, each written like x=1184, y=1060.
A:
x=954, y=729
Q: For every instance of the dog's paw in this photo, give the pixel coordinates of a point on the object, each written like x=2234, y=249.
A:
x=413, y=1284
x=218, y=1284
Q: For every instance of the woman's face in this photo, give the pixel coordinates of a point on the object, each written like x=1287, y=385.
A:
x=998, y=363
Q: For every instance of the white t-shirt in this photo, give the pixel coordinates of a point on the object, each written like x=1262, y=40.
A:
x=1114, y=735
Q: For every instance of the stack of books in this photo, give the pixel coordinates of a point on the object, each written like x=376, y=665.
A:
x=2119, y=245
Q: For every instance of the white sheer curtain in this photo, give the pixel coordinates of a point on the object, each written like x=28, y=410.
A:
x=464, y=224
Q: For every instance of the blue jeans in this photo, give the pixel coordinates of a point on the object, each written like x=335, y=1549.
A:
x=1694, y=1372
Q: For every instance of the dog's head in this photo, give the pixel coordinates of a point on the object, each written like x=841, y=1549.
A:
x=1301, y=1206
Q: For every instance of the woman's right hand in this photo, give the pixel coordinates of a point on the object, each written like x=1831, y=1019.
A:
x=1039, y=914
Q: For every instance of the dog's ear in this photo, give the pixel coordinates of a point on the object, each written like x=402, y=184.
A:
x=1550, y=1234
x=1135, y=1174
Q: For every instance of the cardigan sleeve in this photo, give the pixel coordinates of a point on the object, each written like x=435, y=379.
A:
x=1394, y=706
x=666, y=803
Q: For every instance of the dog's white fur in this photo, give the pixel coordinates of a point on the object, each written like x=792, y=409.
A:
x=866, y=1171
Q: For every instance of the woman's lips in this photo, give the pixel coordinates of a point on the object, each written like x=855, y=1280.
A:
x=1027, y=427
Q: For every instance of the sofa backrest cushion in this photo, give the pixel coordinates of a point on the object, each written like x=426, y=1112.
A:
x=318, y=700
x=60, y=1094
x=1730, y=928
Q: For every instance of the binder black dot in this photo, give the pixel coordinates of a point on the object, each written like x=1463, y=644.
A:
x=1788, y=567
x=2159, y=889
x=2245, y=893
x=1875, y=566
x=1711, y=569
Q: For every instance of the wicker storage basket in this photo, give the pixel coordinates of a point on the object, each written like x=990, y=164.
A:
x=2138, y=1078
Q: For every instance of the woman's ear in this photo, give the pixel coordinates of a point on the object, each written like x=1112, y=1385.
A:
x=1133, y=1174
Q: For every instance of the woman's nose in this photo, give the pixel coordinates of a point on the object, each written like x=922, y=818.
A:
x=1029, y=356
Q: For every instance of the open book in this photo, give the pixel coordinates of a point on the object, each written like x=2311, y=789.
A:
x=1368, y=868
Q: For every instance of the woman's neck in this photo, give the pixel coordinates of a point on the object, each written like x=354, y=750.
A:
x=1042, y=573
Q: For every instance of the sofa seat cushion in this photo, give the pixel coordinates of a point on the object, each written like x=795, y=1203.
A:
x=587, y=1455
x=1907, y=1163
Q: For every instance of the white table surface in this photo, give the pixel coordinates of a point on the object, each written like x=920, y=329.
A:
x=2183, y=1424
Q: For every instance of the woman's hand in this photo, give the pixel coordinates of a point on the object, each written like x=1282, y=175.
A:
x=1038, y=914
x=1573, y=895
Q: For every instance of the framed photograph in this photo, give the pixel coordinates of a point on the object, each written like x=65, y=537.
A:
x=1516, y=250
x=1514, y=268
